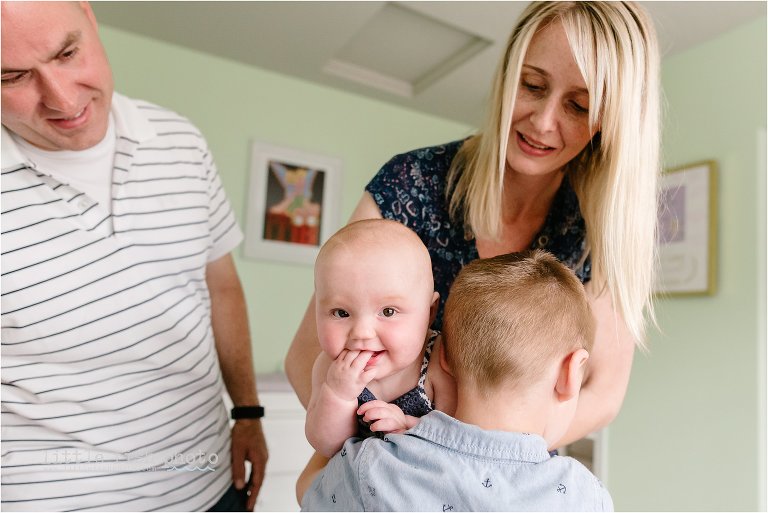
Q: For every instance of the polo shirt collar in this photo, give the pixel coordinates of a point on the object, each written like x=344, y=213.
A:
x=11, y=155
x=130, y=122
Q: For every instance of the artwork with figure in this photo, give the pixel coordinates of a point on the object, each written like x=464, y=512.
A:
x=686, y=230
x=294, y=204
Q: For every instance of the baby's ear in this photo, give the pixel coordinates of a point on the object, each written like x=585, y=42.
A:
x=571, y=374
x=433, y=307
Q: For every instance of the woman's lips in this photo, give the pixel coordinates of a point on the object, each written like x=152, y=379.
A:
x=533, y=147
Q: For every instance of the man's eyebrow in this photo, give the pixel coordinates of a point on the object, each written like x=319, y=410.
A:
x=72, y=37
x=69, y=40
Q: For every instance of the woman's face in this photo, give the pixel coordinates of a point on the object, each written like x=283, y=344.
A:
x=550, y=121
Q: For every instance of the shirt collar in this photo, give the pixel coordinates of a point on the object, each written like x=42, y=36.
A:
x=444, y=430
x=130, y=122
x=11, y=155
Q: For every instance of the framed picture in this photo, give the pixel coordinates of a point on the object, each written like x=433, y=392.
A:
x=293, y=203
x=687, y=230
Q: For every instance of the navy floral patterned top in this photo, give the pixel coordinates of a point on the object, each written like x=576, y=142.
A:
x=410, y=188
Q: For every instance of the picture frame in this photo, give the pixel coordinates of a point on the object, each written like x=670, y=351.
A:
x=687, y=230
x=293, y=203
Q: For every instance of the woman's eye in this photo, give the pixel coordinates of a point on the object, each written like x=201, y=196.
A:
x=388, y=312
x=340, y=313
x=533, y=87
x=579, y=108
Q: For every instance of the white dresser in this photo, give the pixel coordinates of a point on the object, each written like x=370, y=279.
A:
x=289, y=450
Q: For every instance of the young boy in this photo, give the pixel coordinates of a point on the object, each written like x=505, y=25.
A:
x=517, y=331
x=375, y=300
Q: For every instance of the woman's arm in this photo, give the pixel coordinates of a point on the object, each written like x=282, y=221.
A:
x=305, y=347
x=609, y=366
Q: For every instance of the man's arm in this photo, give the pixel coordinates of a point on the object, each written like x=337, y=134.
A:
x=229, y=321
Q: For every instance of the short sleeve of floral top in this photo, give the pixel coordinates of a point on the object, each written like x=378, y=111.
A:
x=410, y=188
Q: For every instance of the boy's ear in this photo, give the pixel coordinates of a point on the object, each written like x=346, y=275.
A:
x=571, y=375
x=433, y=307
x=441, y=354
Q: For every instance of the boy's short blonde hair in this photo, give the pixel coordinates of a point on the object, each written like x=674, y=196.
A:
x=509, y=317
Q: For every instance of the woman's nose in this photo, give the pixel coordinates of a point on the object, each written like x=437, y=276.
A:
x=544, y=116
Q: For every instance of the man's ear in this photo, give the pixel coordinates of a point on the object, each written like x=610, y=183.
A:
x=571, y=375
x=433, y=307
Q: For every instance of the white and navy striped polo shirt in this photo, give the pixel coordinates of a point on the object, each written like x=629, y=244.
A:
x=111, y=389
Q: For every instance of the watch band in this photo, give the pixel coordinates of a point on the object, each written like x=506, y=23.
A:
x=247, y=412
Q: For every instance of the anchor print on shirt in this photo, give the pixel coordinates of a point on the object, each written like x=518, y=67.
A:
x=561, y=488
x=487, y=483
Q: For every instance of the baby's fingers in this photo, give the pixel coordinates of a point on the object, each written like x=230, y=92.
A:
x=375, y=404
x=388, y=425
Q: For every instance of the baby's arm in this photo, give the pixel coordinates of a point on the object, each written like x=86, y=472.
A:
x=331, y=411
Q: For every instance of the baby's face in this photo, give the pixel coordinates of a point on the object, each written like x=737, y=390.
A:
x=373, y=300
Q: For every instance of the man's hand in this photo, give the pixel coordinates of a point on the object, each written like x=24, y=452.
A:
x=386, y=417
x=248, y=444
x=347, y=375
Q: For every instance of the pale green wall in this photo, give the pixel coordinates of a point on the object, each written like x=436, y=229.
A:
x=687, y=436
x=233, y=104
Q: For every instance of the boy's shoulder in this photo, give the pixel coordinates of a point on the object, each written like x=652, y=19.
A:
x=573, y=477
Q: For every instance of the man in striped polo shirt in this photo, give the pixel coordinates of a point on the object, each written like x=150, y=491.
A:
x=123, y=318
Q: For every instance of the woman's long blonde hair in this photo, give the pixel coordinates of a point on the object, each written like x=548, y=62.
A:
x=615, y=176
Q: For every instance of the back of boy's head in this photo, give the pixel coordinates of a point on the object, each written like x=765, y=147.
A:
x=509, y=318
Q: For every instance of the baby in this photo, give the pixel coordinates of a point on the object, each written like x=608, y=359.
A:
x=518, y=329
x=375, y=300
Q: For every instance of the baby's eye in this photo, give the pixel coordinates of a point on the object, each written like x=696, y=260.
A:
x=338, y=312
x=388, y=312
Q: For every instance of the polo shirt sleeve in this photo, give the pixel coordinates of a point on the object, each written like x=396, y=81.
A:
x=224, y=232
x=337, y=488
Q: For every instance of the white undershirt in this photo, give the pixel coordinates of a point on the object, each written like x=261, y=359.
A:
x=89, y=170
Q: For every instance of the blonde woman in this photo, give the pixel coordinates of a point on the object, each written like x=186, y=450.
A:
x=567, y=161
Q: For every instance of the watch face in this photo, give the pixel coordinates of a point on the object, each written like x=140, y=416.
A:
x=247, y=412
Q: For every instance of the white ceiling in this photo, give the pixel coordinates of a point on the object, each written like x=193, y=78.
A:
x=305, y=39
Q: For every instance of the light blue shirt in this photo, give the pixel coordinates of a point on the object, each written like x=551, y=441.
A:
x=443, y=464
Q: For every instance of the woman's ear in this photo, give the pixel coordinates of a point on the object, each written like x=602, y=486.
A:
x=571, y=375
